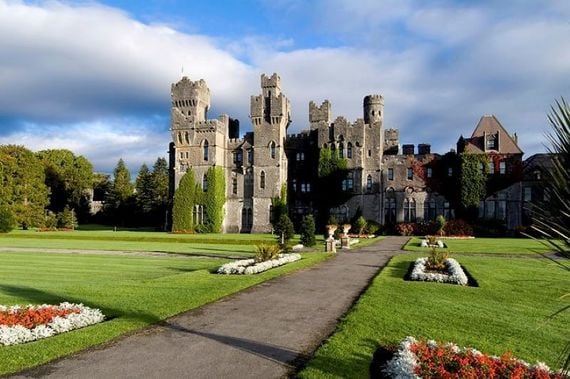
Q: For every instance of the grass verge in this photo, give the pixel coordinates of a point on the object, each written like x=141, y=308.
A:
x=508, y=312
x=505, y=246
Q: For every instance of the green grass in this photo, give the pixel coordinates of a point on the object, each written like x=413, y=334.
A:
x=508, y=312
x=505, y=246
x=133, y=291
x=209, y=244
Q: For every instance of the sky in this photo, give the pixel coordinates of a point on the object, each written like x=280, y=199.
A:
x=94, y=76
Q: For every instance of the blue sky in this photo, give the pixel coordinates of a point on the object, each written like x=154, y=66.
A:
x=94, y=77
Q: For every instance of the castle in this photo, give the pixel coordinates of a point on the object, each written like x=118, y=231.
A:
x=388, y=182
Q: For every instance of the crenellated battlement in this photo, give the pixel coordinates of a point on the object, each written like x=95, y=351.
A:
x=320, y=113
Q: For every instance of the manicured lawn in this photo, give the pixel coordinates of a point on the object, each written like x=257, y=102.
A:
x=133, y=291
x=507, y=246
x=211, y=244
x=508, y=312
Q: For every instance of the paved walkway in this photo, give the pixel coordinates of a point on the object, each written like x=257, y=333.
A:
x=263, y=332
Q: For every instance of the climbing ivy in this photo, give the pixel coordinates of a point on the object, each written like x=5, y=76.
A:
x=184, y=200
x=473, y=179
x=214, y=199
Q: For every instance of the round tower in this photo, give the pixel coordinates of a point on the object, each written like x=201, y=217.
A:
x=373, y=109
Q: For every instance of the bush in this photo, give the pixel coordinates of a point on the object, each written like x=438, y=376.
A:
x=50, y=221
x=458, y=227
x=372, y=227
x=440, y=224
x=265, y=252
x=404, y=229
x=7, y=220
x=284, y=229
x=436, y=260
x=67, y=219
x=359, y=224
x=425, y=228
x=308, y=231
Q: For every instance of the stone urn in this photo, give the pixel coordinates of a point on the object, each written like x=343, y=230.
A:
x=330, y=243
x=344, y=239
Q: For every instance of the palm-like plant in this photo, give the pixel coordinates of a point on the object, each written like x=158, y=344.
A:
x=552, y=219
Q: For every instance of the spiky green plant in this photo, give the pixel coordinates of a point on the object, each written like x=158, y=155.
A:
x=552, y=219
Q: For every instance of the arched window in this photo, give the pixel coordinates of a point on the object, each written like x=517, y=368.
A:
x=205, y=183
x=369, y=183
x=390, y=210
x=349, y=150
x=262, y=180
x=272, y=149
x=180, y=138
x=409, y=210
x=341, y=150
x=187, y=138
x=205, y=149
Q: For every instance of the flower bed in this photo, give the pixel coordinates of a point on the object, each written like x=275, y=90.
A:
x=249, y=266
x=32, y=322
x=453, y=275
x=429, y=359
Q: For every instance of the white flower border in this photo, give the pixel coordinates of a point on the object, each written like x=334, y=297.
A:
x=454, y=274
x=17, y=334
x=403, y=364
x=248, y=266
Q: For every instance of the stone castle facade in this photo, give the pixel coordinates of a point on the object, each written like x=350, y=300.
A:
x=388, y=182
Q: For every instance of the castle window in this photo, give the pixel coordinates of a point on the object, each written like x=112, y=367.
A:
x=369, y=152
x=491, y=167
x=341, y=150
x=294, y=185
x=234, y=186
x=369, y=183
x=250, y=156
x=186, y=138
x=492, y=143
x=429, y=210
x=429, y=172
x=181, y=155
x=262, y=180
x=180, y=138
x=527, y=193
x=537, y=174
x=410, y=173
x=205, y=183
x=300, y=156
x=390, y=174
x=205, y=149
x=450, y=171
x=272, y=149
x=481, y=168
x=409, y=210
x=305, y=187
x=502, y=167
x=348, y=183
x=238, y=157
x=390, y=211
x=447, y=211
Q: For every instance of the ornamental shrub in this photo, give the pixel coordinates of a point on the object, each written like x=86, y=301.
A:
x=308, y=231
x=50, y=221
x=458, y=227
x=436, y=260
x=440, y=224
x=284, y=229
x=372, y=227
x=359, y=224
x=7, y=220
x=404, y=228
x=265, y=252
x=184, y=201
x=214, y=199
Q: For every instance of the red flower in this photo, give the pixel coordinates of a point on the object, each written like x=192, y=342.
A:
x=32, y=317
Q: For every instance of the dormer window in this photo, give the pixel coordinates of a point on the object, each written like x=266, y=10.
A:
x=492, y=143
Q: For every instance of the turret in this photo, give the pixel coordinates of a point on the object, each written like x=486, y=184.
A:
x=373, y=109
x=191, y=98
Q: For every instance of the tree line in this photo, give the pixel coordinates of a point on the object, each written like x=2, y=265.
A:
x=53, y=188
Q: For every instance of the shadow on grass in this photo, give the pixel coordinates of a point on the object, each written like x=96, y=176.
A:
x=36, y=296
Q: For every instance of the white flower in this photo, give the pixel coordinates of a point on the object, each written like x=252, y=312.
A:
x=454, y=274
x=248, y=266
x=13, y=335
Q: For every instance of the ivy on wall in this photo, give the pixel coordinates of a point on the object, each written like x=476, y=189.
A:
x=214, y=198
x=185, y=198
x=473, y=179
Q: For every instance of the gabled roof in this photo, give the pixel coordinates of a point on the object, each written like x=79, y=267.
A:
x=489, y=125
